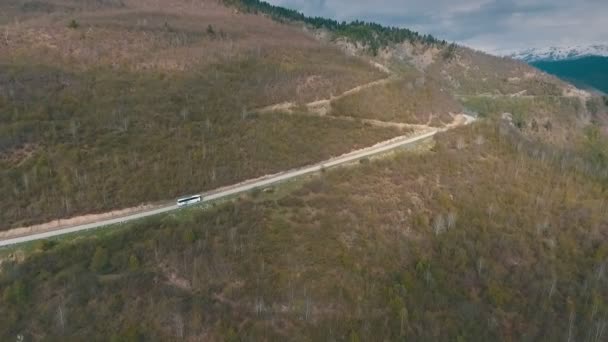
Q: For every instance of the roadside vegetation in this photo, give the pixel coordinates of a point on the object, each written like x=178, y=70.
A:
x=82, y=143
x=124, y=115
x=487, y=236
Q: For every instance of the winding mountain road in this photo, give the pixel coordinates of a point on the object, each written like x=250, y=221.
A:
x=238, y=188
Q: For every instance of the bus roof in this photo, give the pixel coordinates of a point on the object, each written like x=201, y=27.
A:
x=188, y=198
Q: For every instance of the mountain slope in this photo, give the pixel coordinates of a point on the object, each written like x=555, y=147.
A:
x=586, y=72
x=494, y=231
x=484, y=238
x=162, y=93
x=559, y=53
x=584, y=66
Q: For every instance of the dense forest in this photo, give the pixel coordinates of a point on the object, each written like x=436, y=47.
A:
x=372, y=35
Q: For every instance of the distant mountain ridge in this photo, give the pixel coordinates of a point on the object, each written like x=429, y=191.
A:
x=559, y=53
x=584, y=66
x=590, y=72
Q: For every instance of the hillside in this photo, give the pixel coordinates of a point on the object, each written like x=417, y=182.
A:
x=495, y=231
x=427, y=246
x=97, y=95
x=140, y=91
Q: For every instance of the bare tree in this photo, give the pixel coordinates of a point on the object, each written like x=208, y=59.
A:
x=552, y=287
x=460, y=143
x=26, y=181
x=259, y=306
x=438, y=224
x=244, y=113
x=491, y=210
x=74, y=126
x=179, y=325
x=599, y=330
x=6, y=40
x=61, y=316
x=184, y=113
x=479, y=266
x=125, y=124
x=451, y=220
x=307, y=313
x=571, y=325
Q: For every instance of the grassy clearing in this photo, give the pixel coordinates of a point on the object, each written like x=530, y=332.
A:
x=412, y=99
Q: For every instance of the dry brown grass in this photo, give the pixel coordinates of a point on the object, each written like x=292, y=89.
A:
x=419, y=246
x=146, y=68
x=173, y=36
x=165, y=35
x=412, y=99
x=474, y=72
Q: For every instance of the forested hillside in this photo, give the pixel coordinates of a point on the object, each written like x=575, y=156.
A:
x=373, y=36
x=96, y=96
x=494, y=231
x=484, y=237
x=587, y=72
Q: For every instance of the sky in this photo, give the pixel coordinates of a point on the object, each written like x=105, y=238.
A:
x=496, y=26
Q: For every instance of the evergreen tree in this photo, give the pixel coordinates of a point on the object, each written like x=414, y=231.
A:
x=100, y=260
x=371, y=35
x=210, y=30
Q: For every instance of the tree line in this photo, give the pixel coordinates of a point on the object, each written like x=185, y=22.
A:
x=374, y=36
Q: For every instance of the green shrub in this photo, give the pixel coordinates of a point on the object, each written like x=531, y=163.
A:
x=17, y=293
x=73, y=24
x=100, y=260
x=133, y=263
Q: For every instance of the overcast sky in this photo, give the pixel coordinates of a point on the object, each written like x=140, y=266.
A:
x=490, y=25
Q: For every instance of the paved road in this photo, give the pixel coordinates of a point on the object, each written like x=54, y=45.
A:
x=235, y=189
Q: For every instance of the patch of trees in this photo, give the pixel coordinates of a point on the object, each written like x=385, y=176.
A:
x=371, y=35
x=450, y=52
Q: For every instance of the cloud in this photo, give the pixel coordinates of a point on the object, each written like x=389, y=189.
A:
x=490, y=25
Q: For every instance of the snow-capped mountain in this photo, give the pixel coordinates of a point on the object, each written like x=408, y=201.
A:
x=559, y=53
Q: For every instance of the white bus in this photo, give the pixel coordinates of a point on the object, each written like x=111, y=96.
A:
x=189, y=200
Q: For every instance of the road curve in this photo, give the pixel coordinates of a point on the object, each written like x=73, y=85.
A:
x=235, y=189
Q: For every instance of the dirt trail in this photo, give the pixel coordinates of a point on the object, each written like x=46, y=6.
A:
x=347, y=158
x=567, y=92
x=323, y=107
x=316, y=108
x=73, y=221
